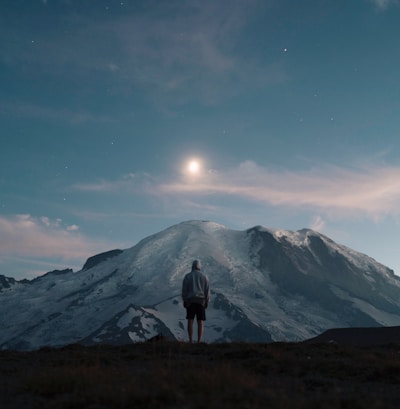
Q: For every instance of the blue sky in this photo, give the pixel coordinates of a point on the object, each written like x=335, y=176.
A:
x=291, y=109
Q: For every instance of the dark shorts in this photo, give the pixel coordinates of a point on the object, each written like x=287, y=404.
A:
x=196, y=310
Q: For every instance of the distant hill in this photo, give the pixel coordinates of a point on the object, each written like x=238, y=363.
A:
x=359, y=336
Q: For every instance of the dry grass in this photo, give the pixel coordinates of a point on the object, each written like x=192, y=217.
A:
x=178, y=375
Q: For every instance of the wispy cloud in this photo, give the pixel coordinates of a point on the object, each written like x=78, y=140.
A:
x=317, y=223
x=384, y=4
x=191, y=52
x=23, y=237
x=173, y=51
x=48, y=113
x=372, y=192
x=127, y=183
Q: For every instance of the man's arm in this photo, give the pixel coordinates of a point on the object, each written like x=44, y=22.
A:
x=184, y=291
x=206, y=291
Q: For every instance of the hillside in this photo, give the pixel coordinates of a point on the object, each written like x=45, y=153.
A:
x=175, y=375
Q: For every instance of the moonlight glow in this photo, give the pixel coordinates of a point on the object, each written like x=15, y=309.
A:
x=194, y=167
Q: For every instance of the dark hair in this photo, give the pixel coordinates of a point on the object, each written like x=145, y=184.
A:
x=196, y=265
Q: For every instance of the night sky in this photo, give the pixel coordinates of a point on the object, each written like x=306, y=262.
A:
x=122, y=118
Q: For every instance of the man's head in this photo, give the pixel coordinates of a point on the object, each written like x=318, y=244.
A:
x=196, y=265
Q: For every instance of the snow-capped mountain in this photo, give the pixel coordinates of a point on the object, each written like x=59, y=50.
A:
x=267, y=285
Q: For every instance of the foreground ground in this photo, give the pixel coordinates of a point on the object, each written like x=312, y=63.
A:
x=166, y=374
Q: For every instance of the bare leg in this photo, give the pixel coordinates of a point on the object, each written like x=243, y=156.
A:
x=200, y=330
x=190, y=330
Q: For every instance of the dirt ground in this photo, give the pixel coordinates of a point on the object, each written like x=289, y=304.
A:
x=166, y=374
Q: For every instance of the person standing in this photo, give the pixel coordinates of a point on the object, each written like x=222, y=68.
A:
x=195, y=296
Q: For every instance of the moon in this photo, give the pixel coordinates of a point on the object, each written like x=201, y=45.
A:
x=193, y=166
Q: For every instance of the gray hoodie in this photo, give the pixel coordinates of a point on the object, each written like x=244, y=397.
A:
x=196, y=287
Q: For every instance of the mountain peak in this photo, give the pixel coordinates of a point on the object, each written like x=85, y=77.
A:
x=267, y=285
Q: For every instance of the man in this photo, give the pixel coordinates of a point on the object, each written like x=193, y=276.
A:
x=195, y=296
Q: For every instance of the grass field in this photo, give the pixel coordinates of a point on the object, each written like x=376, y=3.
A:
x=167, y=374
